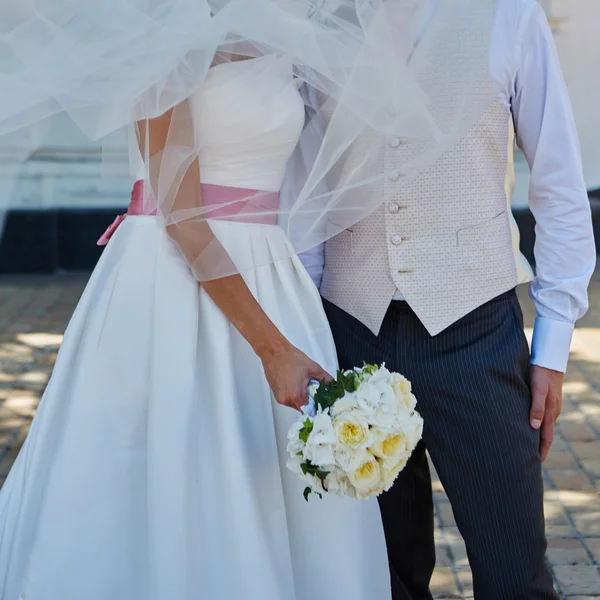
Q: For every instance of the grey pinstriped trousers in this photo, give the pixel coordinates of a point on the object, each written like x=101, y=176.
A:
x=472, y=387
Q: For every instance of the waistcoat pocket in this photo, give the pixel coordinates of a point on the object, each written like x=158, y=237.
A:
x=484, y=232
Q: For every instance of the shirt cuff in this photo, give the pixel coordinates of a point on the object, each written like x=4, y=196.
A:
x=551, y=344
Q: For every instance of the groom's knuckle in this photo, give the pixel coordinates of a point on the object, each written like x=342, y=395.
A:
x=537, y=413
x=538, y=390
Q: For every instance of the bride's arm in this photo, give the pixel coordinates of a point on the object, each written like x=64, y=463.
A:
x=287, y=369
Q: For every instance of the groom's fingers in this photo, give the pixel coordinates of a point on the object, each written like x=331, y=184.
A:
x=539, y=393
x=537, y=411
x=547, y=437
x=546, y=390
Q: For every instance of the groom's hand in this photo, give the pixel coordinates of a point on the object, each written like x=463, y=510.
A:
x=546, y=390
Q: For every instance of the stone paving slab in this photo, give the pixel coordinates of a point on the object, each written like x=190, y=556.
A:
x=35, y=311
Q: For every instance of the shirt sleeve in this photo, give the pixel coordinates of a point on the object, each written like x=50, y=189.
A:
x=310, y=143
x=314, y=262
x=565, y=252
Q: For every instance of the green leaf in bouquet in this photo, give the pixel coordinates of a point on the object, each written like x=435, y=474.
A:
x=369, y=369
x=329, y=393
x=349, y=382
x=306, y=430
x=322, y=475
x=308, y=491
x=309, y=469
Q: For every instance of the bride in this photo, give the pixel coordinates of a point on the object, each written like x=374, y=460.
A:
x=155, y=467
x=156, y=464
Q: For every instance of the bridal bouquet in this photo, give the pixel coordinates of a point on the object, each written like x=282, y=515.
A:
x=357, y=433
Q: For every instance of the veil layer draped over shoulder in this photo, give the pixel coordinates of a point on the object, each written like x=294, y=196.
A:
x=368, y=70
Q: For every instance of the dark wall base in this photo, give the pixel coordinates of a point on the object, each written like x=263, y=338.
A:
x=44, y=242
x=526, y=224
x=47, y=241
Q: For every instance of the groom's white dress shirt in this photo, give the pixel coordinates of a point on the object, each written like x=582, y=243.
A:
x=565, y=253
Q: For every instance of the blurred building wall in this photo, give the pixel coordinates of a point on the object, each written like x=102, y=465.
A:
x=576, y=27
x=66, y=194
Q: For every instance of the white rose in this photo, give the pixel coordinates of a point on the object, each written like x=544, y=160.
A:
x=336, y=482
x=350, y=491
x=389, y=475
x=386, y=392
x=295, y=444
x=366, y=475
x=367, y=373
x=352, y=431
x=369, y=396
x=347, y=403
x=293, y=464
x=414, y=431
x=319, y=454
x=322, y=432
x=319, y=447
x=386, y=417
x=381, y=376
x=314, y=483
x=408, y=401
x=348, y=459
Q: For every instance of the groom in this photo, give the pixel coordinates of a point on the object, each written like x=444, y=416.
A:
x=426, y=285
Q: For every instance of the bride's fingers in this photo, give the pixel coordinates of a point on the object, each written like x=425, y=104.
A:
x=320, y=374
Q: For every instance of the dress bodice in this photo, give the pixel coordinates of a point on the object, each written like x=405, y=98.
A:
x=248, y=117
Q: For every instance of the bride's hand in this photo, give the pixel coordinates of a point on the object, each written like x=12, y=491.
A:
x=289, y=372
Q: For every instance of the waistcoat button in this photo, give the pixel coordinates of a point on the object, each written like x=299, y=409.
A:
x=393, y=207
x=396, y=239
x=394, y=176
x=395, y=143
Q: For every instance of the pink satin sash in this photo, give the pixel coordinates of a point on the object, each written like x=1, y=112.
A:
x=218, y=202
x=239, y=204
x=136, y=207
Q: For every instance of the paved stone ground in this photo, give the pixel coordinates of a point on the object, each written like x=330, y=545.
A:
x=33, y=316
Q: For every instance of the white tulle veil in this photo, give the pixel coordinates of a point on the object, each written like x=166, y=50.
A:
x=371, y=70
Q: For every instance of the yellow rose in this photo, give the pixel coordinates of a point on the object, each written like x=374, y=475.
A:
x=414, y=432
x=389, y=476
x=391, y=447
x=366, y=475
x=409, y=401
x=352, y=431
x=401, y=385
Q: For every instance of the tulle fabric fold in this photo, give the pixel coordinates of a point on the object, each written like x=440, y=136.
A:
x=369, y=71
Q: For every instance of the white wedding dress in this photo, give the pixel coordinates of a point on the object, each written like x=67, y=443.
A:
x=155, y=468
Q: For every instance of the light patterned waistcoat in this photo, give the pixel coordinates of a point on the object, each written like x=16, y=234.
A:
x=447, y=241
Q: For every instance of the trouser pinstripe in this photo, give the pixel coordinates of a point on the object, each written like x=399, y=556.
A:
x=472, y=387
